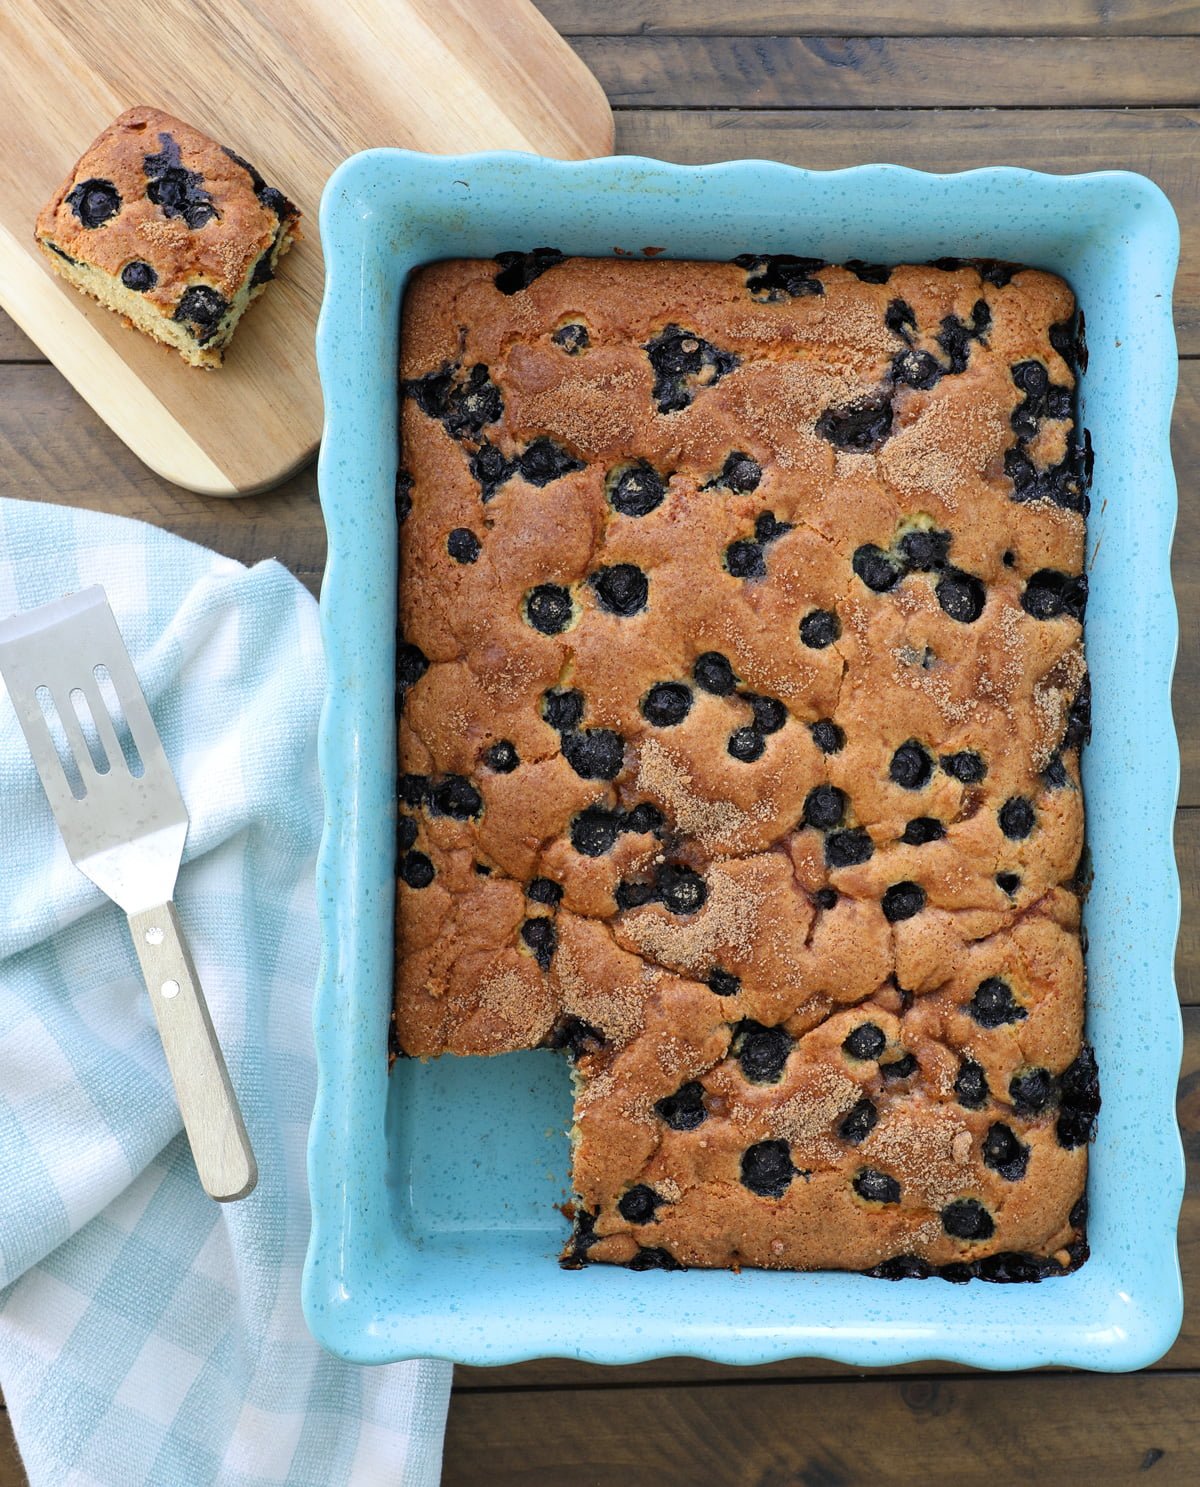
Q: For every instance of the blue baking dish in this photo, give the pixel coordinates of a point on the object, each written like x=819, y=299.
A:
x=434, y=1229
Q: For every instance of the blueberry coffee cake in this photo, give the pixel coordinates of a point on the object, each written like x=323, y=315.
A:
x=742, y=692
x=174, y=232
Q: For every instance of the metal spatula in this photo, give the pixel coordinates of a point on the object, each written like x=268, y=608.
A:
x=124, y=823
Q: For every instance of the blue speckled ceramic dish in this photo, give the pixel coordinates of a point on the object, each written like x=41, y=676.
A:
x=434, y=1231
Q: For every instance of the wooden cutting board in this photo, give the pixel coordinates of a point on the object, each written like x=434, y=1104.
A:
x=295, y=86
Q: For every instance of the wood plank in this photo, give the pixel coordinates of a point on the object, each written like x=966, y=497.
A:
x=15, y=345
x=883, y=18
x=971, y=1430
x=54, y=448
x=876, y=72
x=1161, y=145
x=561, y=1373
x=12, y=1473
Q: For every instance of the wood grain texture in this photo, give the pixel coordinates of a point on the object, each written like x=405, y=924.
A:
x=296, y=87
x=1057, y=1430
x=879, y=72
x=1160, y=144
x=12, y=1473
x=882, y=18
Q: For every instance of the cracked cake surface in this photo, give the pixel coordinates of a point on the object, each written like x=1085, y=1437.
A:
x=741, y=692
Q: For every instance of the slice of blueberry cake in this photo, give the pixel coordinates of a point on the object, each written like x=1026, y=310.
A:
x=742, y=692
x=174, y=232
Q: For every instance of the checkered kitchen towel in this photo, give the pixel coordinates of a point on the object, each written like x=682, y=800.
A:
x=148, y=1334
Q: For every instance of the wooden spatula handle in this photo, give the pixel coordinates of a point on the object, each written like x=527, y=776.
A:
x=207, y=1102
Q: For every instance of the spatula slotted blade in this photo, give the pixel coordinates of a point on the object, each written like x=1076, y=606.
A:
x=124, y=823
x=126, y=831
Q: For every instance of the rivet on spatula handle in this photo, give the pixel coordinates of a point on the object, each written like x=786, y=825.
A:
x=207, y=1103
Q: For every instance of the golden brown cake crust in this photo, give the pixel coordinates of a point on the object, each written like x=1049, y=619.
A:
x=743, y=689
x=154, y=192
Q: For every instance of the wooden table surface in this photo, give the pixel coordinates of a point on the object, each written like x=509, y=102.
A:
x=1074, y=85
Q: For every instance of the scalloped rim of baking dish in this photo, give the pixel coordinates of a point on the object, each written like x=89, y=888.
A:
x=375, y=1292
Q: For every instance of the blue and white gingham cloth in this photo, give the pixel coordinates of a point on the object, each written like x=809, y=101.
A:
x=148, y=1334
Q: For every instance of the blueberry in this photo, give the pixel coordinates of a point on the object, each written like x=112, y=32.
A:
x=138, y=276
x=678, y=356
x=594, y=753
x=1031, y=1091
x=902, y=901
x=548, y=608
x=263, y=272
x=562, y=709
x=967, y=1219
x=903, y=1067
x=634, y=895
x=545, y=891
x=201, y=306
x=58, y=253
x=967, y=767
x=572, y=338
x=996, y=273
x=858, y=1122
x=273, y=199
x=576, y=1036
x=848, y=848
x=769, y=713
x=900, y=318
x=826, y=898
x=621, y=589
x=1055, y=776
x=406, y=833
x=723, y=983
x=1049, y=594
x=416, y=870
x=876, y=569
x=1004, y=1153
x=901, y=1267
x=1079, y=718
x=651, y=1257
x=1079, y=1100
x=993, y=1004
x=876, y=1187
x=744, y=559
x=464, y=405
x=482, y=870
x=767, y=1168
x=922, y=830
x=924, y=549
x=955, y=336
x=820, y=628
x=827, y=736
x=861, y=426
x=1066, y=484
x=174, y=188
x=455, y=797
x=463, y=545
x=824, y=807
x=542, y=938
x=713, y=673
x=739, y=473
x=1017, y=818
x=683, y=891
x=502, y=757
x=642, y=819
x=971, y=1086
x=685, y=1109
x=746, y=744
x=775, y=276
x=594, y=831
x=916, y=368
x=1008, y=882
x=519, y=270
x=637, y=1205
x=866, y=1041
x=911, y=767
x=491, y=468
x=94, y=202
x=413, y=789
x=411, y=666
x=761, y=1051
x=544, y=461
x=961, y=595
x=638, y=490
x=666, y=704
x=869, y=273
